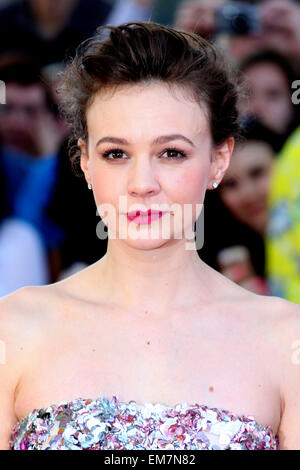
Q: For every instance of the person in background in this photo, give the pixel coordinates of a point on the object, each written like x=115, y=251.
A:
x=268, y=77
x=50, y=30
x=240, y=210
x=278, y=25
x=235, y=263
x=38, y=185
x=245, y=187
x=23, y=258
x=30, y=138
x=244, y=191
x=283, y=232
x=280, y=21
x=73, y=208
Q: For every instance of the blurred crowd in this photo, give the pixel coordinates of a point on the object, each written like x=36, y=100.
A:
x=48, y=217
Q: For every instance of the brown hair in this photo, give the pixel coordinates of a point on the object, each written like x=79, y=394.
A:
x=141, y=51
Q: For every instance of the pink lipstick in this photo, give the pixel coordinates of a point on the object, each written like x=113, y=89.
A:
x=140, y=217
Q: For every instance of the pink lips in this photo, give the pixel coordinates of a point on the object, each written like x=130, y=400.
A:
x=140, y=217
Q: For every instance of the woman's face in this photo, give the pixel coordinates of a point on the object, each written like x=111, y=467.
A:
x=151, y=145
x=270, y=96
x=245, y=186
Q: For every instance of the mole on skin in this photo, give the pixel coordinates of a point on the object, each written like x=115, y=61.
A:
x=211, y=389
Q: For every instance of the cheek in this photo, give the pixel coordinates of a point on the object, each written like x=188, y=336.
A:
x=106, y=182
x=279, y=111
x=263, y=186
x=105, y=191
x=185, y=186
x=190, y=186
x=276, y=106
x=285, y=108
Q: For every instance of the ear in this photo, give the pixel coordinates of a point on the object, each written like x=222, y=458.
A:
x=220, y=161
x=84, y=158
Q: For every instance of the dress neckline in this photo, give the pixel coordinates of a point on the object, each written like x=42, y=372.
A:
x=154, y=406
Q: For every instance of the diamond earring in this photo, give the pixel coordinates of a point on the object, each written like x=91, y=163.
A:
x=215, y=184
x=89, y=186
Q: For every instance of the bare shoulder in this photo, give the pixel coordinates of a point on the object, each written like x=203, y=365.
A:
x=289, y=315
x=15, y=327
x=26, y=316
x=17, y=307
x=272, y=321
x=20, y=332
x=285, y=317
x=285, y=330
x=277, y=317
x=27, y=304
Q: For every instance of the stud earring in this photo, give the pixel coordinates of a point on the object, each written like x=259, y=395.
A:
x=89, y=186
x=215, y=184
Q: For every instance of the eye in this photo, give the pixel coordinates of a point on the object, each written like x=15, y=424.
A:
x=257, y=172
x=230, y=183
x=174, y=154
x=118, y=154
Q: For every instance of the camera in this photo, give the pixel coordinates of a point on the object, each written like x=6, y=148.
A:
x=238, y=18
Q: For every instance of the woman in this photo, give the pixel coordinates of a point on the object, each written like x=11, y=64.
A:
x=149, y=347
x=244, y=192
x=245, y=187
x=269, y=77
x=241, y=202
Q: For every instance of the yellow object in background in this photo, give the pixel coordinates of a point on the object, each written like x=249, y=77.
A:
x=283, y=233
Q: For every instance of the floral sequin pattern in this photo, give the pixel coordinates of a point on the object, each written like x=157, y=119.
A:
x=109, y=424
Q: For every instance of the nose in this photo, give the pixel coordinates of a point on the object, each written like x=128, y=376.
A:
x=142, y=181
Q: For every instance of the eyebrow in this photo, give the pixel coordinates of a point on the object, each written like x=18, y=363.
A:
x=163, y=139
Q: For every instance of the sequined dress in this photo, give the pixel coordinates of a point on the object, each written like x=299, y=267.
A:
x=110, y=424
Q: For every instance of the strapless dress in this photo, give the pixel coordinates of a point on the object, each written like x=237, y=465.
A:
x=110, y=424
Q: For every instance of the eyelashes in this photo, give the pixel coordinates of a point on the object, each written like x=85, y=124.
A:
x=179, y=154
x=113, y=151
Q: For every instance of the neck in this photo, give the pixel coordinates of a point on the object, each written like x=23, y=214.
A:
x=153, y=280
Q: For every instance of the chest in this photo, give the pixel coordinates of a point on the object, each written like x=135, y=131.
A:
x=209, y=363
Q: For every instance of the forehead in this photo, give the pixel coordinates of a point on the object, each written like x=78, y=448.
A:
x=265, y=73
x=146, y=108
x=249, y=155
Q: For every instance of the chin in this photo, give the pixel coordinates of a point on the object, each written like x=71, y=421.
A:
x=149, y=244
x=256, y=226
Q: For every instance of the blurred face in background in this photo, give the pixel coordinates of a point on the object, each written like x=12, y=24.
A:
x=269, y=97
x=43, y=9
x=244, y=189
x=20, y=116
